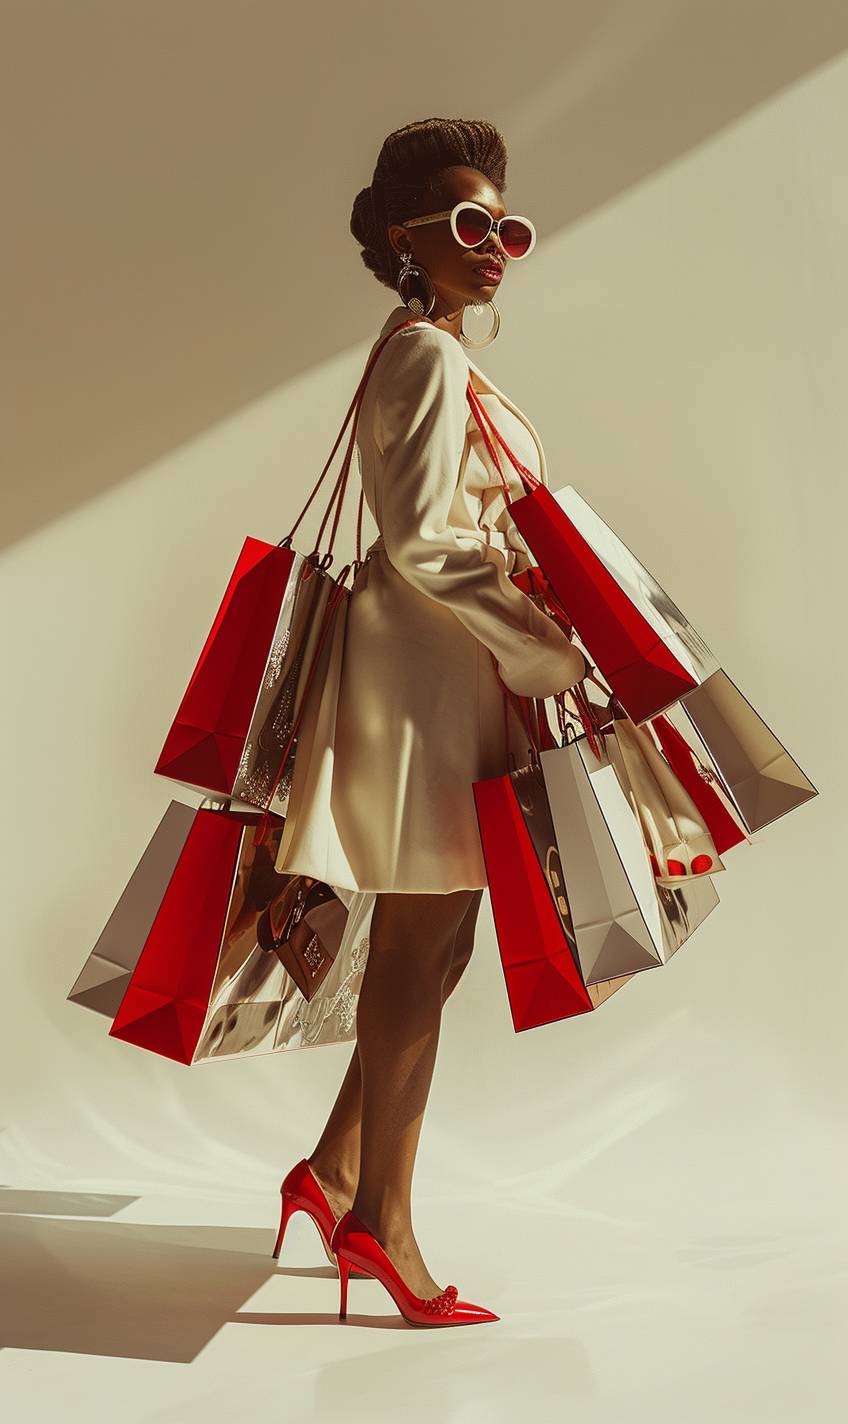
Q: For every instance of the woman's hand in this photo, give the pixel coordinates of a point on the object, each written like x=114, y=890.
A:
x=588, y=667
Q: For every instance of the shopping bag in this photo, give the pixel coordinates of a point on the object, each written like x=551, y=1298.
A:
x=210, y=981
x=702, y=782
x=672, y=906
x=644, y=645
x=645, y=670
x=624, y=918
x=237, y=716
x=103, y=979
x=764, y=781
x=630, y=589
x=761, y=778
x=531, y=914
x=577, y=910
x=235, y=730
x=680, y=846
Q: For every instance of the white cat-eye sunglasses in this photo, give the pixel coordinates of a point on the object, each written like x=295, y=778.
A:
x=471, y=224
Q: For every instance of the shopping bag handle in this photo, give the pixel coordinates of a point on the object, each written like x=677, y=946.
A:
x=520, y=704
x=591, y=723
x=593, y=726
x=337, y=494
x=481, y=415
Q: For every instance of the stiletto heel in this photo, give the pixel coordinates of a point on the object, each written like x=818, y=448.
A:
x=289, y=1205
x=301, y=1191
x=344, y=1272
x=355, y=1245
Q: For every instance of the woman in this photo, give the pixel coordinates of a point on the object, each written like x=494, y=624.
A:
x=384, y=802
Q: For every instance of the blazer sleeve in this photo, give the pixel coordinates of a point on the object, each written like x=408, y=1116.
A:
x=420, y=414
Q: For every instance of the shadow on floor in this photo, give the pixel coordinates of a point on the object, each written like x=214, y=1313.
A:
x=133, y=1291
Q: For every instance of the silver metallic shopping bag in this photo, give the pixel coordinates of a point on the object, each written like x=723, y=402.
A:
x=761, y=778
x=623, y=920
x=210, y=951
x=680, y=845
x=103, y=979
x=309, y=600
x=256, y=1005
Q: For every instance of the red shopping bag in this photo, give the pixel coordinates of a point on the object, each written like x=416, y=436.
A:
x=218, y=720
x=539, y=961
x=640, y=667
x=538, y=949
x=239, y=958
x=577, y=908
x=165, y=1004
x=234, y=733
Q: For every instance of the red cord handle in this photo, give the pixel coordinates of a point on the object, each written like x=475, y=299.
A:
x=334, y=504
x=592, y=725
x=339, y=489
x=540, y=587
x=520, y=705
x=481, y=415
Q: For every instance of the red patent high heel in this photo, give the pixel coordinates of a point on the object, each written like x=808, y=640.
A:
x=301, y=1191
x=355, y=1245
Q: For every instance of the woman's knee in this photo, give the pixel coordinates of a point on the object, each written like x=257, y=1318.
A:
x=465, y=935
x=462, y=951
x=422, y=928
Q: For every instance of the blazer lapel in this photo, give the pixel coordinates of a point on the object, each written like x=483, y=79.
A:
x=488, y=384
x=402, y=313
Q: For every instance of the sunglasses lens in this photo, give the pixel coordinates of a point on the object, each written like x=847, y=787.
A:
x=516, y=237
x=473, y=226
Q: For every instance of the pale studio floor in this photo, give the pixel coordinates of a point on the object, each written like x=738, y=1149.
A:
x=651, y=1197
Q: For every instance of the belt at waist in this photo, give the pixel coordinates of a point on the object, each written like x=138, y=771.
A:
x=509, y=554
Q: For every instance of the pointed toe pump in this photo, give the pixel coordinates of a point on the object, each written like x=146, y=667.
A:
x=355, y=1245
x=301, y=1191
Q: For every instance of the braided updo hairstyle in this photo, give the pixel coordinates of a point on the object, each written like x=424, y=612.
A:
x=406, y=181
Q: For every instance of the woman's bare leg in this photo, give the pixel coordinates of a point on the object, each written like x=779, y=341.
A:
x=397, y=1036
x=335, y=1157
x=463, y=945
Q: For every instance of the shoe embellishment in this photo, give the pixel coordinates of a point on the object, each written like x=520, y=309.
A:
x=443, y=1304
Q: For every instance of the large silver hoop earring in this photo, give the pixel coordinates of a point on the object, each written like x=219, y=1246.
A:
x=411, y=272
x=490, y=336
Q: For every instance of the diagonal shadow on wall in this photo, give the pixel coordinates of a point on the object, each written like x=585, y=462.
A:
x=179, y=177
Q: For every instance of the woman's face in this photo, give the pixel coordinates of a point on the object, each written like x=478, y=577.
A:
x=452, y=268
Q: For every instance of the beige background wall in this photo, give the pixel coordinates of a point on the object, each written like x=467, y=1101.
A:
x=188, y=318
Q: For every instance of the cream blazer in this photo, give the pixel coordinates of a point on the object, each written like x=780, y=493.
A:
x=407, y=712
x=412, y=467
